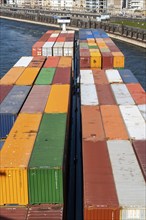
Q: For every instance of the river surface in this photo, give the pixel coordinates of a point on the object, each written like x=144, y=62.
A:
x=17, y=38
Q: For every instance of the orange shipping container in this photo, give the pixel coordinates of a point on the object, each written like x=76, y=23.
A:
x=15, y=156
x=12, y=75
x=118, y=60
x=113, y=123
x=65, y=62
x=28, y=76
x=100, y=77
x=58, y=101
x=137, y=93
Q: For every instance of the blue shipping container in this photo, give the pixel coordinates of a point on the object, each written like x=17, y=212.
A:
x=127, y=76
x=10, y=108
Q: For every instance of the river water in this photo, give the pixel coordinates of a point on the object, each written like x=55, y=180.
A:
x=17, y=38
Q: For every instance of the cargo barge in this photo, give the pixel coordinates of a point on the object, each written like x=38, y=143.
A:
x=42, y=96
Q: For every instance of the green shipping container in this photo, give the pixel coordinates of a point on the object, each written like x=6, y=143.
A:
x=46, y=166
x=93, y=47
x=45, y=76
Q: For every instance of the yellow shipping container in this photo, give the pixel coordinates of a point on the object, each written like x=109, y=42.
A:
x=15, y=156
x=91, y=40
x=95, y=60
x=65, y=62
x=28, y=76
x=12, y=75
x=94, y=50
x=119, y=59
x=59, y=99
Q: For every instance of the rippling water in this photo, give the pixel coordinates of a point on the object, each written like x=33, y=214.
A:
x=17, y=38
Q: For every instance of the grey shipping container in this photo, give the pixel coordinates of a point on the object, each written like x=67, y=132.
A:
x=10, y=108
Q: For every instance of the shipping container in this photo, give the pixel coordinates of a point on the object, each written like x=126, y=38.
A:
x=100, y=77
x=85, y=61
x=10, y=107
x=127, y=76
x=28, y=76
x=37, y=99
x=99, y=193
x=88, y=95
x=86, y=77
x=62, y=75
x=45, y=211
x=113, y=76
x=51, y=62
x=58, y=49
x=1, y=143
x=137, y=93
x=122, y=95
x=95, y=60
x=47, y=49
x=47, y=161
x=13, y=213
x=15, y=156
x=68, y=49
x=65, y=62
x=107, y=60
x=113, y=123
x=4, y=90
x=23, y=61
x=12, y=75
x=105, y=94
x=142, y=109
x=118, y=59
x=59, y=99
x=140, y=151
x=129, y=181
x=45, y=76
x=92, y=126
x=37, y=61
x=135, y=123
x=37, y=48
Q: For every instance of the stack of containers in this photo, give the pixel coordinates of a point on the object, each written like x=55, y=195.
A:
x=97, y=50
x=111, y=122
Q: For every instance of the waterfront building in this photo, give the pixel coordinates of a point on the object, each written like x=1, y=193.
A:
x=137, y=4
x=96, y=5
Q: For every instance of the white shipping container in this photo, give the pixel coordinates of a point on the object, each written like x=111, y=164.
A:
x=86, y=77
x=58, y=49
x=68, y=49
x=129, y=181
x=23, y=61
x=54, y=35
x=70, y=32
x=122, y=94
x=134, y=121
x=113, y=76
x=142, y=109
x=89, y=95
x=47, y=49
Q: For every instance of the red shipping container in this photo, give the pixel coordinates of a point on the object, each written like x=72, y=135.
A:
x=137, y=93
x=60, y=39
x=13, y=213
x=140, y=151
x=105, y=94
x=92, y=126
x=99, y=192
x=52, y=39
x=51, y=62
x=4, y=90
x=106, y=60
x=62, y=75
x=37, y=49
x=84, y=62
x=44, y=38
x=100, y=77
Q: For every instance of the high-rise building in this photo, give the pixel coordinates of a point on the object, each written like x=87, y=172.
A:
x=96, y=5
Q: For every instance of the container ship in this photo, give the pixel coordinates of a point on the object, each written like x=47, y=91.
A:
x=36, y=108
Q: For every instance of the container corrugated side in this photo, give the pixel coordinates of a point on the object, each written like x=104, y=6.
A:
x=140, y=151
x=129, y=181
x=113, y=123
x=99, y=193
x=86, y=77
x=10, y=108
x=113, y=76
x=127, y=76
x=23, y=61
x=47, y=49
x=135, y=123
x=46, y=161
x=59, y=99
x=137, y=92
x=58, y=49
x=4, y=90
x=107, y=60
x=12, y=75
x=118, y=60
x=17, y=213
x=105, y=94
x=28, y=76
x=92, y=126
x=122, y=95
x=37, y=99
x=45, y=76
x=142, y=109
x=15, y=156
x=89, y=95
x=68, y=49
x=37, y=49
